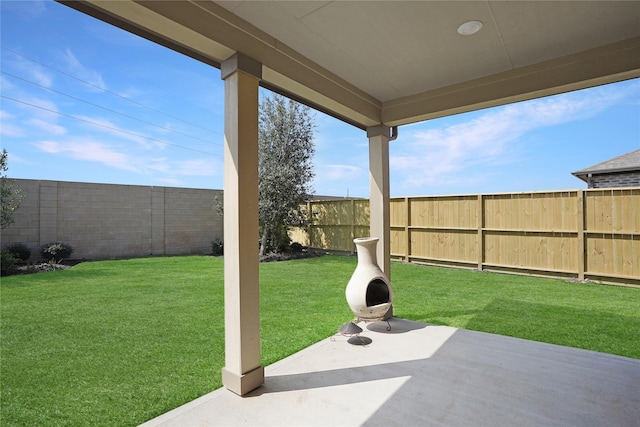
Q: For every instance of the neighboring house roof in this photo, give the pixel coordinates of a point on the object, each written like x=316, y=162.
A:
x=624, y=163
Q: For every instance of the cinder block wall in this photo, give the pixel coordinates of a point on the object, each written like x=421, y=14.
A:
x=103, y=221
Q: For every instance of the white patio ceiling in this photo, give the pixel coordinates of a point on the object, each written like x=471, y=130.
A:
x=395, y=62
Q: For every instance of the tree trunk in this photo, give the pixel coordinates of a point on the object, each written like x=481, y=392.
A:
x=263, y=241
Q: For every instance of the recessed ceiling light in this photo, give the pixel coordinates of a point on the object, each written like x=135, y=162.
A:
x=469, y=28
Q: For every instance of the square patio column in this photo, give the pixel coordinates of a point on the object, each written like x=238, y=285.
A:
x=379, y=209
x=242, y=372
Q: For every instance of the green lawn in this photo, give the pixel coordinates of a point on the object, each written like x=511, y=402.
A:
x=119, y=342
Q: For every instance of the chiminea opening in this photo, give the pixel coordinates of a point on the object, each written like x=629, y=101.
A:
x=377, y=293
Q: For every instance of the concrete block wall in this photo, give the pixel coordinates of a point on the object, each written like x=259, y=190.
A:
x=103, y=221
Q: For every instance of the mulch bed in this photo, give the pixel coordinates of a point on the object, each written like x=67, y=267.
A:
x=47, y=266
x=270, y=257
x=286, y=256
x=39, y=268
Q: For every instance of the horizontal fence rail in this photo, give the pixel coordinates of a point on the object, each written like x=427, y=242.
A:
x=584, y=234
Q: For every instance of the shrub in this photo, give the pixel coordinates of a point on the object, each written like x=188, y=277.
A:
x=295, y=247
x=55, y=252
x=20, y=251
x=8, y=263
x=217, y=247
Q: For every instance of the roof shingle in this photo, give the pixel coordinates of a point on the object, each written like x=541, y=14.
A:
x=625, y=162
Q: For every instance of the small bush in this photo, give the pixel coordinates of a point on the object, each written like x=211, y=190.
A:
x=8, y=263
x=20, y=251
x=217, y=247
x=55, y=252
x=295, y=247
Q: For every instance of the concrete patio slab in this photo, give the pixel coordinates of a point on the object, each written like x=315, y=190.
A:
x=424, y=375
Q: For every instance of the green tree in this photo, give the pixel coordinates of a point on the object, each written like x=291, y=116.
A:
x=10, y=199
x=285, y=169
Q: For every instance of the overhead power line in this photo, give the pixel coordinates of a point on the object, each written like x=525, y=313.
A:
x=104, y=108
x=107, y=90
x=108, y=127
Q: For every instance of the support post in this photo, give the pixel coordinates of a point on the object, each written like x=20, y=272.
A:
x=242, y=372
x=379, y=208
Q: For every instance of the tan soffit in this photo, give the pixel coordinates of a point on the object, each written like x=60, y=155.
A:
x=398, y=62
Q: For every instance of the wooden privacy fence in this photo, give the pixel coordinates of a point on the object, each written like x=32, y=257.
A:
x=586, y=234
x=335, y=223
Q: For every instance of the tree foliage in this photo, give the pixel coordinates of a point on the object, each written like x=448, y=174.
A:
x=9, y=198
x=285, y=169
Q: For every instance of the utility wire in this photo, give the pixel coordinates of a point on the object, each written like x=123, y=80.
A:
x=104, y=108
x=108, y=127
x=107, y=90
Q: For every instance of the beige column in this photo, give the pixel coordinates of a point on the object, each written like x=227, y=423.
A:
x=379, y=210
x=242, y=372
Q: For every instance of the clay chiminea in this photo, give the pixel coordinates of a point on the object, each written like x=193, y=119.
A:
x=369, y=292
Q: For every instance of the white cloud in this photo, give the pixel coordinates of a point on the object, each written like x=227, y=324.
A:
x=17, y=159
x=109, y=127
x=5, y=115
x=48, y=146
x=42, y=77
x=41, y=108
x=338, y=172
x=30, y=10
x=197, y=167
x=131, y=93
x=170, y=181
x=89, y=150
x=78, y=70
x=8, y=128
x=438, y=155
x=162, y=169
x=30, y=71
x=191, y=167
x=32, y=115
x=6, y=84
x=48, y=127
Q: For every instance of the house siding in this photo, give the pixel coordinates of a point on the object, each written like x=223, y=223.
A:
x=615, y=180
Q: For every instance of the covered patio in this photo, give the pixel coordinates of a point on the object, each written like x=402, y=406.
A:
x=378, y=66
x=425, y=375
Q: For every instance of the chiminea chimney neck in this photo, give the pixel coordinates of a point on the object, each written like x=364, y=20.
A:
x=366, y=249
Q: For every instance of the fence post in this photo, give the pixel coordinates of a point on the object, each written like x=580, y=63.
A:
x=581, y=244
x=480, y=225
x=309, y=224
x=353, y=224
x=407, y=229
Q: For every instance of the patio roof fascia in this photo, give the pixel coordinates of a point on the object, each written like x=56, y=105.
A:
x=210, y=33
x=606, y=64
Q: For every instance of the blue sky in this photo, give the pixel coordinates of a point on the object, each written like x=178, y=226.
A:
x=84, y=101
